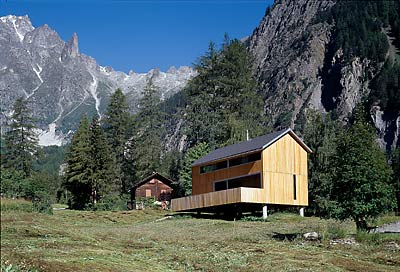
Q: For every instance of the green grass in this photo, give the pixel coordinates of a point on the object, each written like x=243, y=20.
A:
x=15, y=205
x=135, y=241
x=59, y=206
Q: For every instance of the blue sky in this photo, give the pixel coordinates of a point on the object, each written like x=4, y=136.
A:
x=140, y=35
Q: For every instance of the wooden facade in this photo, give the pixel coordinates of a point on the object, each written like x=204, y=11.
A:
x=280, y=167
x=156, y=186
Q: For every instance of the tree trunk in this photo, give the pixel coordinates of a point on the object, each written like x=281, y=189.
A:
x=361, y=224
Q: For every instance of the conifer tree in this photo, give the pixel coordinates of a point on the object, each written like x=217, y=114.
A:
x=20, y=140
x=116, y=124
x=224, y=101
x=78, y=172
x=149, y=128
x=102, y=164
x=360, y=186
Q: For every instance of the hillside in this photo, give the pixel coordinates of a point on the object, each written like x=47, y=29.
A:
x=328, y=55
x=61, y=83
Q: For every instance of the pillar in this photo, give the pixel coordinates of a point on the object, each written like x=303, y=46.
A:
x=302, y=211
x=265, y=211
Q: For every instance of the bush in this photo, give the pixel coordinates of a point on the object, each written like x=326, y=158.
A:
x=111, y=203
x=146, y=202
x=42, y=203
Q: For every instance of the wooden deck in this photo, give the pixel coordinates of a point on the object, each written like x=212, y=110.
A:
x=230, y=196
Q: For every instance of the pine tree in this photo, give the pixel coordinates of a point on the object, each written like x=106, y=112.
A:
x=102, y=164
x=78, y=171
x=116, y=124
x=185, y=175
x=360, y=187
x=21, y=140
x=145, y=148
x=224, y=101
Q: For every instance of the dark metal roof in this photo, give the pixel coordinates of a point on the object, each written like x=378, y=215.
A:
x=253, y=145
x=155, y=175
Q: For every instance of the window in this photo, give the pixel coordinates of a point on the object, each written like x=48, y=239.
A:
x=213, y=167
x=152, y=181
x=294, y=187
x=233, y=162
x=242, y=160
x=148, y=192
x=250, y=181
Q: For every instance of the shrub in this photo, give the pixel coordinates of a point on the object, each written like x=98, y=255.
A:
x=42, y=203
x=111, y=203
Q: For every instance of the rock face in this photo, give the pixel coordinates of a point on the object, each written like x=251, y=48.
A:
x=60, y=83
x=298, y=69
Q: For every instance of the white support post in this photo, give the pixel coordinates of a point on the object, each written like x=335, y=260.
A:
x=265, y=212
x=302, y=211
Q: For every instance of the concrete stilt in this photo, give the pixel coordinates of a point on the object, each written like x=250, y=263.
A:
x=265, y=212
x=301, y=211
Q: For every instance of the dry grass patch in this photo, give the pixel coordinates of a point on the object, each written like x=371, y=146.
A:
x=136, y=241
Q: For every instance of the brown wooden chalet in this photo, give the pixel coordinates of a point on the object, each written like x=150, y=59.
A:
x=267, y=170
x=155, y=185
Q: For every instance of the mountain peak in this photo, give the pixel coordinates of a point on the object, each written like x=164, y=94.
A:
x=71, y=49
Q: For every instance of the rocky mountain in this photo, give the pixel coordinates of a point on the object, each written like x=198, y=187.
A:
x=299, y=67
x=61, y=83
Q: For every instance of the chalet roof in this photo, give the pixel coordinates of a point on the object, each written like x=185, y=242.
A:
x=155, y=175
x=253, y=145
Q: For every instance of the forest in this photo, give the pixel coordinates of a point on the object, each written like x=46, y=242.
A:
x=350, y=176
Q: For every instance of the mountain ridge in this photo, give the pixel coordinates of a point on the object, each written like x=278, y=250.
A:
x=61, y=83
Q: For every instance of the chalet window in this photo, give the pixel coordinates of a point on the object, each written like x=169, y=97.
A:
x=152, y=181
x=294, y=187
x=148, y=192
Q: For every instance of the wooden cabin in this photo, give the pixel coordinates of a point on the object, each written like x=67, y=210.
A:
x=155, y=185
x=267, y=170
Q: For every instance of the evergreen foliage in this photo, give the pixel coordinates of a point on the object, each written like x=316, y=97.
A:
x=358, y=27
x=78, y=170
x=360, y=184
x=185, y=175
x=90, y=172
x=102, y=163
x=21, y=142
x=386, y=87
x=145, y=145
x=116, y=125
x=320, y=134
x=396, y=174
x=223, y=98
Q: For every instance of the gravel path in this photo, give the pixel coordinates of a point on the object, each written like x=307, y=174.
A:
x=388, y=228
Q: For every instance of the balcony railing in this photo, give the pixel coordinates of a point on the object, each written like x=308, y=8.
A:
x=230, y=196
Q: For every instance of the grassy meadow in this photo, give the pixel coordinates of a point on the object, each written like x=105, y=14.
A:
x=138, y=241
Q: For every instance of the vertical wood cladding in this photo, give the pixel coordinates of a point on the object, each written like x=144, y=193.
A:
x=279, y=163
x=159, y=190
